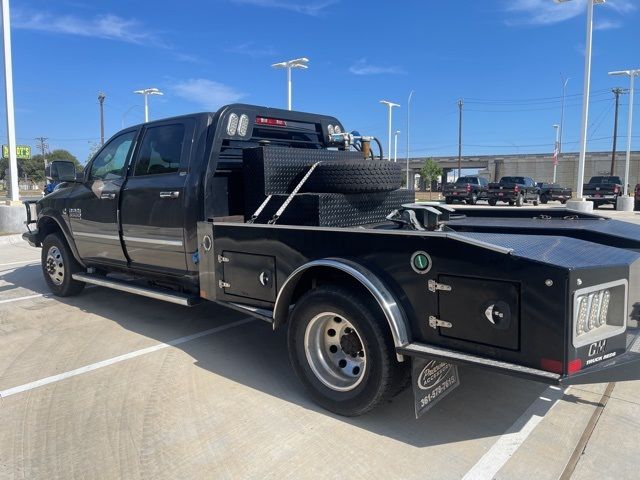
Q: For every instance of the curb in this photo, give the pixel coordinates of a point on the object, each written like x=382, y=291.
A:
x=10, y=239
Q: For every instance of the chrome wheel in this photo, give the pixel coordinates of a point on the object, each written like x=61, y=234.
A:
x=54, y=265
x=335, y=351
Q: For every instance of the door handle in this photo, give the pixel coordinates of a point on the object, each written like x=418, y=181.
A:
x=174, y=194
x=108, y=196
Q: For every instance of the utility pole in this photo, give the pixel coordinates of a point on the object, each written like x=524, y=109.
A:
x=460, y=105
x=101, y=97
x=43, y=146
x=8, y=92
x=617, y=92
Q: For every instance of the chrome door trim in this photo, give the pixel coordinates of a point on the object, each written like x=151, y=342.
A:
x=155, y=241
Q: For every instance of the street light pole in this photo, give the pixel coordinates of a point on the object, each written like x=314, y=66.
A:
x=632, y=74
x=145, y=92
x=409, y=187
x=395, y=147
x=585, y=103
x=101, y=97
x=390, y=106
x=564, y=91
x=8, y=91
x=288, y=65
x=556, y=152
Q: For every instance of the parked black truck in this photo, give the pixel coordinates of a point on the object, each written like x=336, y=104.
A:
x=281, y=215
x=602, y=190
x=514, y=191
x=554, y=192
x=469, y=189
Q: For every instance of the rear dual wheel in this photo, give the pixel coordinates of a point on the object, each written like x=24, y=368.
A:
x=342, y=352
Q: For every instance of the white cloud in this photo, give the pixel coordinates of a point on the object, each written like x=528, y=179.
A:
x=250, y=49
x=207, y=93
x=547, y=12
x=362, y=67
x=607, y=24
x=109, y=27
x=310, y=7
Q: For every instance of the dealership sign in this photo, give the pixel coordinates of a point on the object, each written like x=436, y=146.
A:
x=23, y=152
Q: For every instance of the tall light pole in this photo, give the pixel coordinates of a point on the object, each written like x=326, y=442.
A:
x=288, y=65
x=145, y=92
x=409, y=187
x=101, y=97
x=632, y=74
x=8, y=92
x=395, y=146
x=579, y=203
x=556, y=152
x=390, y=106
x=564, y=91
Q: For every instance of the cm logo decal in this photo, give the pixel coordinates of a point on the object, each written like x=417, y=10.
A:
x=597, y=348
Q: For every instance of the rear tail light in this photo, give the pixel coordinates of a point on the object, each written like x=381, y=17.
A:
x=468, y=188
x=616, y=189
x=517, y=189
x=271, y=122
x=599, y=312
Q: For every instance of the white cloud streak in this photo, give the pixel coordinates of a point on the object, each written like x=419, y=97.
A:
x=309, y=7
x=108, y=27
x=362, y=67
x=208, y=94
x=250, y=49
x=547, y=12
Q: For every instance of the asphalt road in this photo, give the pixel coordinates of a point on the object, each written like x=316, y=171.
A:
x=108, y=385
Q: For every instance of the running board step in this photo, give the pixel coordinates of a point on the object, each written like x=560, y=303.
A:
x=177, y=298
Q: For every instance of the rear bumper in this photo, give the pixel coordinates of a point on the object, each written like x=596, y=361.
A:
x=623, y=367
x=503, y=196
x=605, y=197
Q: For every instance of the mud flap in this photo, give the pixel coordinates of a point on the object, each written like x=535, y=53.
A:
x=432, y=380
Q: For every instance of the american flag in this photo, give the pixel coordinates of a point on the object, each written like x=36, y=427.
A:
x=556, y=152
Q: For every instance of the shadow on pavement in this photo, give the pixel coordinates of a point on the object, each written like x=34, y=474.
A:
x=485, y=404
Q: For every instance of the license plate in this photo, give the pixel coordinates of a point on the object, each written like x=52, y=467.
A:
x=597, y=195
x=455, y=193
x=501, y=194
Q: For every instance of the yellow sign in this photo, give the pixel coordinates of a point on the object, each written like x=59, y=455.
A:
x=23, y=152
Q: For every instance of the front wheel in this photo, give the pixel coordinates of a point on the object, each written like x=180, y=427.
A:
x=342, y=352
x=544, y=199
x=536, y=201
x=493, y=202
x=58, y=266
x=520, y=201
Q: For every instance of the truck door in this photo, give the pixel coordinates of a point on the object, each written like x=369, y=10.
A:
x=152, y=213
x=92, y=206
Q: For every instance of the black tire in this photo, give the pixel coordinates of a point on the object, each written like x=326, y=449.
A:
x=382, y=377
x=473, y=199
x=544, y=199
x=536, y=201
x=636, y=206
x=511, y=203
x=448, y=200
x=519, y=201
x=58, y=267
x=355, y=177
x=563, y=202
x=493, y=202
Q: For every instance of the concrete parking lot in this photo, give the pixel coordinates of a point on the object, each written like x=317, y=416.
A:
x=109, y=385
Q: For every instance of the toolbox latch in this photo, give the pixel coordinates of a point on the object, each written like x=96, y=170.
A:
x=223, y=284
x=222, y=259
x=435, y=322
x=435, y=286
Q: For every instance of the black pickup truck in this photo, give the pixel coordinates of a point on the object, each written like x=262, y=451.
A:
x=514, y=191
x=553, y=192
x=281, y=215
x=467, y=189
x=602, y=190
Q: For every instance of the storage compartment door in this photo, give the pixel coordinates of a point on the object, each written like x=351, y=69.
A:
x=250, y=276
x=481, y=311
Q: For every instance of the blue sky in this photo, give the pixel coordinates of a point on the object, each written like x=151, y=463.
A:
x=503, y=57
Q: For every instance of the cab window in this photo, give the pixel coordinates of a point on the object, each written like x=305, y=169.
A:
x=110, y=162
x=161, y=150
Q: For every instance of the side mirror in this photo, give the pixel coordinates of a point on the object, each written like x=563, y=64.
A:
x=61, y=171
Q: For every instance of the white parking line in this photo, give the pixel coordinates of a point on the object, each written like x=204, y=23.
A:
x=105, y=363
x=501, y=451
x=35, y=260
x=10, y=300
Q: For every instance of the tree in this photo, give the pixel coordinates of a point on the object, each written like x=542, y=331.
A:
x=430, y=172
